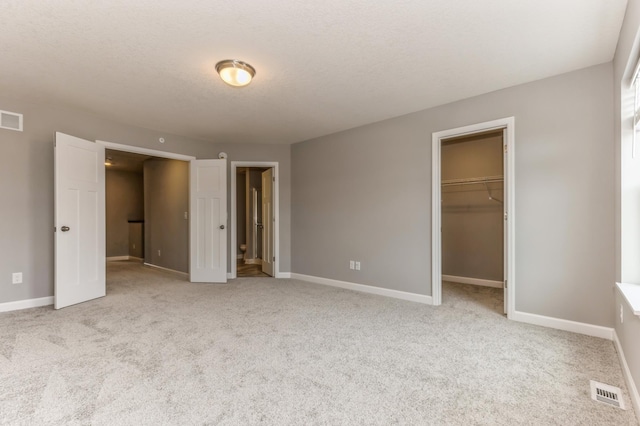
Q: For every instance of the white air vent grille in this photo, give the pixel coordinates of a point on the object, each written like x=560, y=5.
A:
x=607, y=394
x=10, y=120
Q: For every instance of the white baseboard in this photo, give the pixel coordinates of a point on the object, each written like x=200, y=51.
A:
x=137, y=259
x=474, y=281
x=230, y=276
x=562, y=324
x=283, y=275
x=25, y=304
x=631, y=386
x=166, y=269
x=117, y=258
x=365, y=288
x=253, y=261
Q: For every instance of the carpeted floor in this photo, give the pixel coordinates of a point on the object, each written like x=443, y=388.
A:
x=161, y=351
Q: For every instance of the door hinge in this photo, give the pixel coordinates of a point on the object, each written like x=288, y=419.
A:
x=505, y=283
x=274, y=179
x=55, y=229
x=274, y=258
x=505, y=149
x=506, y=216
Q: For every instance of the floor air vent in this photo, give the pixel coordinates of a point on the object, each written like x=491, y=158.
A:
x=608, y=394
x=10, y=120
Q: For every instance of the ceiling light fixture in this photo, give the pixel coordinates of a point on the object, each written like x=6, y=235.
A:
x=235, y=73
x=108, y=161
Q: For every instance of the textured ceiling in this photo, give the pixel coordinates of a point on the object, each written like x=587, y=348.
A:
x=321, y=66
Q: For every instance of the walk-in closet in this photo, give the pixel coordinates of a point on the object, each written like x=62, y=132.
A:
x=472, y=179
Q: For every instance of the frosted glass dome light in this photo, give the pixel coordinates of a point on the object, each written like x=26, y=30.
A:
x=235, y=73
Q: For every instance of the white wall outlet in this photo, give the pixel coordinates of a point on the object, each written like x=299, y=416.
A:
x=159, y=253
x=357, y=265
x=621, y=314
x=17, y=278
x=352, y=264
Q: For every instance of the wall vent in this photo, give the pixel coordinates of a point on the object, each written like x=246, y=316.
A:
x=607, y=394
x=10, y=121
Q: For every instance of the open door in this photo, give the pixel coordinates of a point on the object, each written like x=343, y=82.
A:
x=208, y=205
x=268, y=258
x=79, y=221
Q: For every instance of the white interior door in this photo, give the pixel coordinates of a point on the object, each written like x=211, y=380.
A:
x=208, y=225
x=505, y=245
x=267, y=222
x=79, y=221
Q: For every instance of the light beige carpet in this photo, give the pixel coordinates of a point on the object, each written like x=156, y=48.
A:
x=160, y=351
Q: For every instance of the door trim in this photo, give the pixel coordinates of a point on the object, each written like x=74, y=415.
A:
x=436, y=209
x=276, y=213
x=145, y=151
x=154, y=153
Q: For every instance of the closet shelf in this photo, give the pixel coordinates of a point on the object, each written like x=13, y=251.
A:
x=472, y=181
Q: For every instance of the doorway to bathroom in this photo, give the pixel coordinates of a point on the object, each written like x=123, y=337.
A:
x=254, y=220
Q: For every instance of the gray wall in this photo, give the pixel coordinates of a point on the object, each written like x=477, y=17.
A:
x=136, y=240
x=124, y=202
x=626, y=188
x=166, y=199
x=26, y=184
x=364, y=194
x=472, y=224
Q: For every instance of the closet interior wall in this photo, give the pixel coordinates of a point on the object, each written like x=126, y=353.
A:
x=472, y=222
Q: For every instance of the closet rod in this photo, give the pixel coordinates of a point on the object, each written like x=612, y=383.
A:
x=473, y=181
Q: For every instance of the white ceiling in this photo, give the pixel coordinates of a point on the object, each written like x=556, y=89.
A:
x=322, y=66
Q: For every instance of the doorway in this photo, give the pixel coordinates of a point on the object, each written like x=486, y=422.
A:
x=147, y=204
x=473, y=208
x=79, y=214
x=207, y=213
x=254, y=219
x=472, y=233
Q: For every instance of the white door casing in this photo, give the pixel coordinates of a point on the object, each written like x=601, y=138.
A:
x=267, y=222
x=208, y=224
x=79, y=221
x=505, y=237
x=508, y=124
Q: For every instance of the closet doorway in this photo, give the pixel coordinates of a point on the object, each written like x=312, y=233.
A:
x=472, y=195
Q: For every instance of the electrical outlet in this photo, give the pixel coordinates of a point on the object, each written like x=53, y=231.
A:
x=352, y=264
x=17, y=278
x=621, y=314
x=159, y=253
x=357, y=265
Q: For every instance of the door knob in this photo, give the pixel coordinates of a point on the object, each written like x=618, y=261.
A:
x=65, y=228
x=221, y=226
